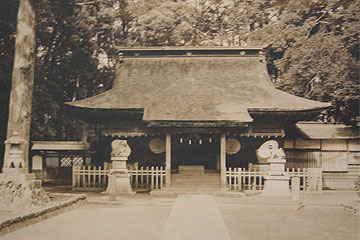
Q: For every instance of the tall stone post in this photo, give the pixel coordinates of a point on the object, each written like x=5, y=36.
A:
x=223, y=161
x=119, y=178
x=22, y=84
x=168, y=160
x=295, y=189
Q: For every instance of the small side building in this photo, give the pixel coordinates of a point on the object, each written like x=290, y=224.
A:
x=53, y=160
x=333, y=147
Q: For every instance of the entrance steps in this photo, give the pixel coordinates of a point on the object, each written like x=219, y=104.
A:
x=191, y=169
x=193, y=180
x=174, y=192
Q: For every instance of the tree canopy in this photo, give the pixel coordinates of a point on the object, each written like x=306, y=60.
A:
x=312, y=48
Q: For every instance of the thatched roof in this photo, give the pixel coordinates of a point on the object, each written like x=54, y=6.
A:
x=196, y=84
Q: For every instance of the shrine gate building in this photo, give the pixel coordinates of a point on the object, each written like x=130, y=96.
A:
x=209, y=107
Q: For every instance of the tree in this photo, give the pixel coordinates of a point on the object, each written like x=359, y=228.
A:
x=22, y=79
x=313, y=52
x=67, y=67
x=8, y=14
x=312, y=48
x=170, y=24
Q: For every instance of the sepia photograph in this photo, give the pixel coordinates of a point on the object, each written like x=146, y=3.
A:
x=179, y=120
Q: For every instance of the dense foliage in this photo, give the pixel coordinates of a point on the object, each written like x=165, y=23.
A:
x=312, y=48
x=66, y=67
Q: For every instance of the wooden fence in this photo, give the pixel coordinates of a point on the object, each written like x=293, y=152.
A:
x=253, y=179
x=149, y=177
x=89, y=177
x=93, y=177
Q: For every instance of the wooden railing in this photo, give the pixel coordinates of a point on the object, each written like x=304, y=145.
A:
x=93, y=177
x=243, y=179
x=149, y=177
x=239, y=179
x=89, y=177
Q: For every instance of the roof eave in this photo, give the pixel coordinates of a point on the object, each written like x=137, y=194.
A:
x=201, y=124
x=282, y=115
x=96, y=115
x=260, y=47
x=287, y=110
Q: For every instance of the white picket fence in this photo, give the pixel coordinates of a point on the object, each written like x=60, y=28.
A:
x=149, y=177
x=239, y=179
x=96, y=177
x=89, y=177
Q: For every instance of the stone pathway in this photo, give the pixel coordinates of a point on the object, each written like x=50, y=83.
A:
x=195, y=217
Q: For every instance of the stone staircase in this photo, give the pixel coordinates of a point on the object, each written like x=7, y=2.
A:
x=193, y=180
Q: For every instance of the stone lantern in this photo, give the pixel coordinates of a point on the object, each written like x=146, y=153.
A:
x=16, y=158
x=14, y=164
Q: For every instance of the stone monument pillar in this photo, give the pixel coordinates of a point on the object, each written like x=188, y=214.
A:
x=119, y=179
x=276, y=179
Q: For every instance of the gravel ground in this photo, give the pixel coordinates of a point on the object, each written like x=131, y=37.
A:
x=265, y=222
x=318, y=216
x=100, y=222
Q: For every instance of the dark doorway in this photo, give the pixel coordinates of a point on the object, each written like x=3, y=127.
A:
x=195, y=149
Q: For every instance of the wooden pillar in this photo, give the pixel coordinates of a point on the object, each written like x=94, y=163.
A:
x=223, y=160
x=168, y=160
x=84, y=132
x=319, y=160
x=22, y=78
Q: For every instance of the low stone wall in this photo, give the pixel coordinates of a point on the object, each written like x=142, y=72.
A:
x=59, y=203
x=16, y=193
x=342, y=180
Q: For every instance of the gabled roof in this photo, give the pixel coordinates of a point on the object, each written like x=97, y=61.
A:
x=319, y=130
x=196, y=84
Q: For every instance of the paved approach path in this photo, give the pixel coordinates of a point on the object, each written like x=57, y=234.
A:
x=195, y=217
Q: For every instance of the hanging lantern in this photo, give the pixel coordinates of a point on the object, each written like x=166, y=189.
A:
x=210, y=140
x=190, y=142
x=200, y=141
x=181, y=140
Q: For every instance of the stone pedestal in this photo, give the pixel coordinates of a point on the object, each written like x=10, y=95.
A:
x=15, y=192
x=20, y=174
x=276, y=180
x=119, y=178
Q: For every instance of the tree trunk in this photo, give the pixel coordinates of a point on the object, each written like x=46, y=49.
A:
x=22, y=78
